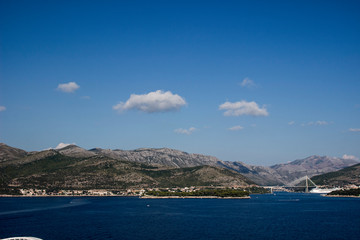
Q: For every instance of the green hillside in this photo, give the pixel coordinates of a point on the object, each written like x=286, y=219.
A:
x=346, y=176
x=63, y=172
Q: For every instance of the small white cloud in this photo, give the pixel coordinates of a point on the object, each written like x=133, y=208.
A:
x=291, y=123
x=247, y=82
x=85, y=97
x=68, y=87
x=62, y=145
x=185, y=131
x=157, y=101
x=317, y=123
x=243, y=108
x=354, y=129
x=320, y=123
x=236, y=128
x=350, y=157
x=2, y=108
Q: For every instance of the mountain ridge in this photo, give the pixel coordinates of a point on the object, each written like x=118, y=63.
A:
x=278, y=174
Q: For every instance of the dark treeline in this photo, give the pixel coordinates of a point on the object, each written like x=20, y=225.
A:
x=348, y=192
x=204, y=192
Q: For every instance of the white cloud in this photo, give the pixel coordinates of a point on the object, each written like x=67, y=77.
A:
x=350, y=157
x=354, y=129
x=2, y=108
x=185, y=131
x=157, y=101
x=291, y=123
x=247, y=82
x=317, y=123
x=86, y=97
x=68, y=87
x=320, y=123
x=243, y=108
x=236, y=128
x=62, y=145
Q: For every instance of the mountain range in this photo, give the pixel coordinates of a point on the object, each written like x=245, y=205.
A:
x=150, y=166
x=72, y=167
x=279, y=174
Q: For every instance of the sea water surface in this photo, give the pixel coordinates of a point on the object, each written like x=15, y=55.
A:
x=280, y=216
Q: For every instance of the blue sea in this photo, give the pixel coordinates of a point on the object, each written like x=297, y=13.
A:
x=280, y=216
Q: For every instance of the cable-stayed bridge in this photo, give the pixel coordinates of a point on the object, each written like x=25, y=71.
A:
x=306, y=183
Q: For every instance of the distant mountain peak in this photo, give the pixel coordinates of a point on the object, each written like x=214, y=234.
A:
x=72, y=150
x=64, y=145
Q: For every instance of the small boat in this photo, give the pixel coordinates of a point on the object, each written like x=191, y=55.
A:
x=22, y=238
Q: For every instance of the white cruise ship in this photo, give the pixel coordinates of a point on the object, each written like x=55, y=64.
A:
x=323, y=190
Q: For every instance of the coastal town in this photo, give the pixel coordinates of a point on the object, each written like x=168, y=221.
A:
x=132, y=192
x=100, y=192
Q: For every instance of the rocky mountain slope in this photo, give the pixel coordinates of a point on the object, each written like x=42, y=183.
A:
x=343, y=177
x=280, y=174
x=261, y=175
x=161, y=157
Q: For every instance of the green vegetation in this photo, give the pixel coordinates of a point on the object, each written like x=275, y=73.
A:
x=348, y=192
x=202, y=193
x=346, y=176
x=257, y=190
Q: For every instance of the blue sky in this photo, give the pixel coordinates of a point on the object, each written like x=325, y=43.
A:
x=261, y=82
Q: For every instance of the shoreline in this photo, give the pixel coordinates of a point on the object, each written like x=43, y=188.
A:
x=347, y=196
x=66, y=196
x=143, y=197
x=196, y=197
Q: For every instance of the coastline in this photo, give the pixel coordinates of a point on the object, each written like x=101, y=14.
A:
x=196, y=197
x=345, y=196
x=5, y=196
x=144, y=197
